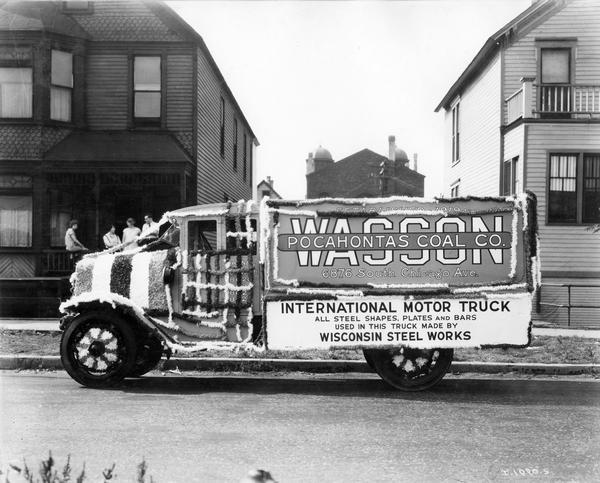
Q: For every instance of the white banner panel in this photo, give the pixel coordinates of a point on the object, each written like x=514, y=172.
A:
x=398, y=321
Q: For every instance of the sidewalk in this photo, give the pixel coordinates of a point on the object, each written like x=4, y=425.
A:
x=51, y=325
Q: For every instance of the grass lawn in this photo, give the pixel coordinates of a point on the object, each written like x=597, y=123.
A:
x=543, y=349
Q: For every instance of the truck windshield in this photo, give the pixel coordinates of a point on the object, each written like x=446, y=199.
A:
x=202, y=235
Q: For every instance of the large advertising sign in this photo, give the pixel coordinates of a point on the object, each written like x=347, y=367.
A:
x=400, y=243
x=387, y=321
x=399, y=271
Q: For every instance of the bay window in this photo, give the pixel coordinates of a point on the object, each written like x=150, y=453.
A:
x=147, y=89
x=61, y=86
x=16, y=92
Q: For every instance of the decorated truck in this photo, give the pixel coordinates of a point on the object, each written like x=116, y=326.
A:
x=405, y=280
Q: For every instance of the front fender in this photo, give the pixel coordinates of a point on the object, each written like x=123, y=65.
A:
x=92, y=301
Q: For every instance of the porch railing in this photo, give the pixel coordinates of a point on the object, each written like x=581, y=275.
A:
x=568, y=99
x=57, y=262
x=514, y=106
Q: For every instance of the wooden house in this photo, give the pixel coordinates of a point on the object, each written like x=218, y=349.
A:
x=108, y=110
x=525, y=115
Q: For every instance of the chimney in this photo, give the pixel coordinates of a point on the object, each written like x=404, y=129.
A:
x=310, y=164
x=270, y=181
x=415, y=157
x=392, y=148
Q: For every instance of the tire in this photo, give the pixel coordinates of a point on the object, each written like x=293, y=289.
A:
x=410, y=369
x=98, y=349
x=148, y=357
x=369, y=358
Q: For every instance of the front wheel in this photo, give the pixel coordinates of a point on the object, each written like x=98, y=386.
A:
x=98, y=349
x=411, y=369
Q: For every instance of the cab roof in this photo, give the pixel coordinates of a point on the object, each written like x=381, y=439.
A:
x=215, y=209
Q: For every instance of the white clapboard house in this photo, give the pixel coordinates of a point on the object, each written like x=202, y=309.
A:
x=525, y=115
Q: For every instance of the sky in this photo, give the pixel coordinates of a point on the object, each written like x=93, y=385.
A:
x=344, y=74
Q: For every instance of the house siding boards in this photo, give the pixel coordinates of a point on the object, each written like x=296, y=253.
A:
x=479, y=127
x=579, y=19
x=216, y=171
x=564, y=248
x=108, y=91
x=180, y=92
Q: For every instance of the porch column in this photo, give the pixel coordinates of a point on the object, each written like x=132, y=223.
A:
x=96, y=209
x=527, y=96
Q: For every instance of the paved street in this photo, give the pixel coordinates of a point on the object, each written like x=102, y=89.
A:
x=306, y=428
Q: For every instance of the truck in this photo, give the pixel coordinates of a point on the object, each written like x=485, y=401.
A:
x=405, y=280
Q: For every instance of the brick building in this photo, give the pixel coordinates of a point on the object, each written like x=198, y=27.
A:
x=364, y=174
x=107, y=110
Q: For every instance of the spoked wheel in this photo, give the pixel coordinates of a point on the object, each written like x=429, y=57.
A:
x=98, y=349
x=148, y=357
x=410, y=369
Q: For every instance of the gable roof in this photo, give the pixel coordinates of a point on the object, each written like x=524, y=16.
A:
x=118, y=146
x=515, y=29
x=269, y=186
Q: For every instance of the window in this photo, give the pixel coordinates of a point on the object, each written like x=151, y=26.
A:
x=16, y=221
x=455, y=189
x=245, y=158
x=147, y=89
x=591, y=188
x=556, y=66
x=202, y=235
x=455, y=134
x=235, y=144
x=574, y=188
x=250, y=162
x=265, y=193
x=222, y=127
x=511, y=177
x=16, y=93
x=61, y=86
x=555, y=74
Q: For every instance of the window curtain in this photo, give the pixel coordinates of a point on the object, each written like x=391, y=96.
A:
x=60, y=104
x=15, y=221
x=15, y=93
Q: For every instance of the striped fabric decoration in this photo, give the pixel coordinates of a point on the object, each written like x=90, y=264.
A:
x=137, y=277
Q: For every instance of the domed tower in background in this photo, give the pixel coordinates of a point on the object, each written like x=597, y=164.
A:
x=321, y=158
x=364, y=174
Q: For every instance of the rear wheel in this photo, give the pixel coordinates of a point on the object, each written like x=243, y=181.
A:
x=411, y=369
x=98, y=349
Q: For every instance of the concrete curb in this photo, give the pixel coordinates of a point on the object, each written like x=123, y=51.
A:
x=23, y=362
